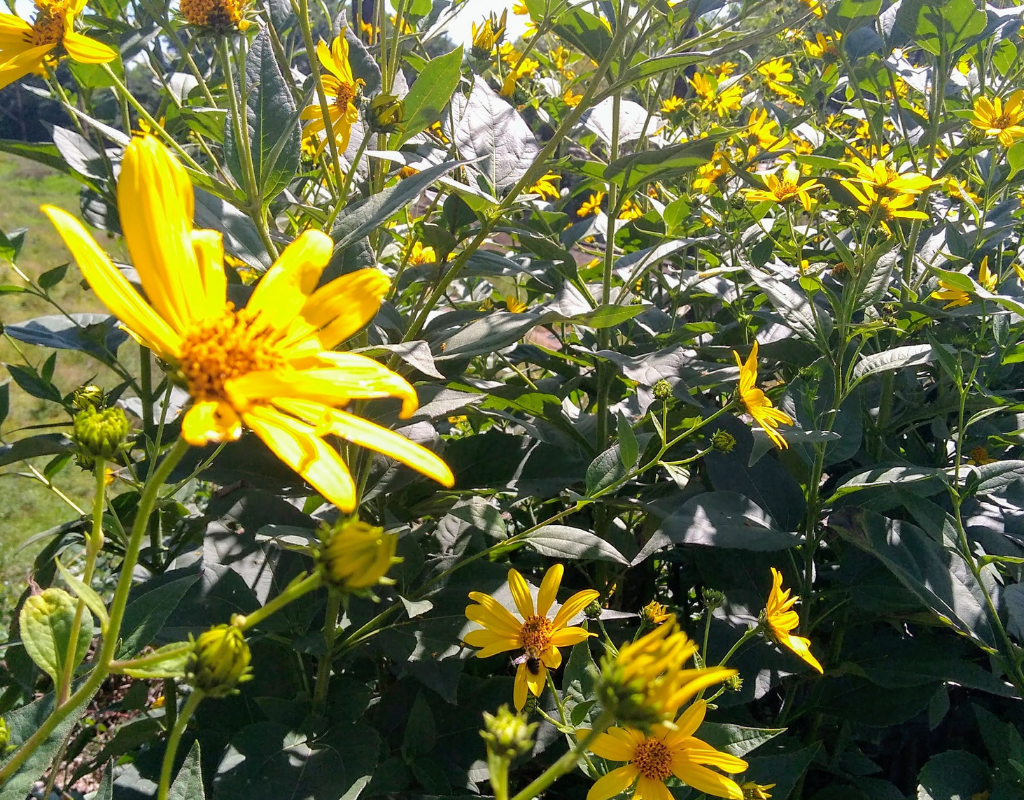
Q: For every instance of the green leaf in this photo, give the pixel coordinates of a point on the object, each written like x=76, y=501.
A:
x=953, y=775
x=923, y=567
x=146, y=614
x=33, y=383
x=882, y=475
x=583, y=30
x=45, y=622
x=941, y=26
x=606, y=470
x=988, y=478
x=5, y=403
x=430, y=93
x=735, y=739
x=906, y=356
x=40, y=152
x=814, y=325
x=562, y=541
x=188, y=783
x=782, y=770
x=87, y=595
x=169, y=661
x=95, y=334
x=420, y=732
x=848, y=15
x=272, y=120
x=1002, y=740
x=629, y=451
x=241, y=238
x=651, y=165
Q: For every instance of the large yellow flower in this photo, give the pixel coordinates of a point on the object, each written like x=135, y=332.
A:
x=754, y=400
x=26, y=47
x=886, y=178
x=886, y=208
x=784, y=189
x=341, y=87
x=1001, y=120
x=536, y=635
x=657, y=756
x=780, y=618
x=958, y=297
x=268, y=366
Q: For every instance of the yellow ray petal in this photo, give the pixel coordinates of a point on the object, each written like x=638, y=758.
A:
x=11, y=25
x=495, y=608
x=573, y=606
x=297, y=446
x=549, y=589
x=155, y=201
x=520, y=593
x=615, y=782
x=282, y=292
x=112, y=288
x=366, y=379
x=520, y=688
x=87, y=51
x=22, y=63
x=650, y=789
x=567, y=637
x=210, y=421
x=208, y=247
x=345, y=305
x=614, y=748
x=506, y=627
x=705, y=780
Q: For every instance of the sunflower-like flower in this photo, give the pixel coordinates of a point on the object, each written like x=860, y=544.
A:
x=784, y=187
x=488, y=35
x=421, y=255
x=823, y=47
x=1002, y=120
x=776, y=73
x=536, y=635
x=761, y=134
x=672, y=104
x=26, y=47
x=270, y=366
x=956, y=297
x=570, y=99
x=630, y=211
x=216, y=16
x=661, y=753
x=702, y=87
x=780, y=619
x=545, y=186
x=592, y=205
x=886, y=208
x=341, y=88
x=886, y=178
x=754, y=400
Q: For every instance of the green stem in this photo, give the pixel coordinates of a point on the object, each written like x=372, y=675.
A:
x=323, y=672
x=567, y=762
x=291, y=593
x=174, y=740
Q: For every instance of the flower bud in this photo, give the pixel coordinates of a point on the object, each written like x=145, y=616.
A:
x=5, y=736
x=974, y=136
x=593, y=610
x=87, y=397
x=756, y=791
x=712, y=598
x=654, y=613
x=219, y=661
x=663, y=390
x=387, y=113
x=99, y=433
x=356, y=556
x=734, y=683
x=507, y=735
x=723, y=441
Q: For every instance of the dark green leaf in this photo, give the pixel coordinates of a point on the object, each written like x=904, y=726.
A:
x=95, y=334
x=188, y=783
x=848, y=15
x=562, y=541
x=941, y=26
x=650, y=165
x=146, y=614
x=42, y=444
x=953, y=775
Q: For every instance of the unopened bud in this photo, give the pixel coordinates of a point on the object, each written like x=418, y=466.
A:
x=508, y=735
x=654, y=613
x=734, y=683
x=5, y=736
x=663, y=390
x=593, y=610
x=974, y=136
x=712, y=598
x=99, y=433
x=219, y=661
x=846, y=217
x=723, y=441
x=387, y=113
x=356, y=556
x=87, y=397
x=756, y=791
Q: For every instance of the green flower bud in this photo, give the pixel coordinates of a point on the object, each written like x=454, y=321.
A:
x=219, y=661
x=712, y=598
x=99, y=433
x=846, y=217
x=593, y=610
x=974, y=136
x=737, y=201
x=824, y=195
x=663, y=390
x=356, y=556
x=723, y=441
x=387, y=113
x=734, y=683
x=507, y=735
x=87, y=397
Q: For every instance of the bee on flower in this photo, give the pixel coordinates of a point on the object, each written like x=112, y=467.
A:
x=1002, y=120
x=29, y=47
x=536, y=634
x=784, y=187
x=341, y=88
x=756, y=403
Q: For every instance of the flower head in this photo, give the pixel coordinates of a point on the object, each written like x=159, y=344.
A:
x=545, y=186
x=99, y=433
x=514, y=305
x=570, y=99
x=26, y=47
x=824, y=47
x=1002, y=120
x=654, y=613
x=356, y=556
x=421, y=255
x=269, y=366
x=644, y=684
x=592, y=205
x=217, y=16
x=885, y=178
x=341, y=88
x=219, y=661
x=956, y=296
x=755, y=402
x=656, y=756
x=756, y=791
x=884, y=207
x=780, y=619
x=488, y=35
x=784, y=187
x=630, y=210
x=979, y=455
x=537, y=635
x=672, y=104
x=508, y=735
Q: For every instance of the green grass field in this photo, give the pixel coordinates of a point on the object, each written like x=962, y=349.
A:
x=26, y=506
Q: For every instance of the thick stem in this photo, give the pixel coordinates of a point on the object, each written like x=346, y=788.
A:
x=323, y=671
x=174, y=740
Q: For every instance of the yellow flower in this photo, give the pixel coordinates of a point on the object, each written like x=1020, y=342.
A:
x=356, y=556
x=776, y=71
x=560, y=57
x=956, y=297
x=654, y=613
x=545, y=186
x=630, y=210
x=655, y=757
x=26, y=47
x=529, y=29
x=758, y=406
x=887, y=208
x=702, y=87
x=268, y=366
x=823, y=47
x=519, y=9
x=405, y=27
x=724, y=70
x=784, y=189
x=761, y=134
x=368, y=30
x=220, y=16
x=671, y=104
x=508, y=53
x=514, y=304
x=341, y=87
x=488, y=35
x=960, y=191
x=999, y=120
x=729, y=99
x=987, y=279
x=570, y=99
x=979, y=455
x=756, y=791
x=710, y=173
x=781, y=619
x=536, y=635
x=592, y=205
x=421, y=255
x=885, y=177
x=815, y=7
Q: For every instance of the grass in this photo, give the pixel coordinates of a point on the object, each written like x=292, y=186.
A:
x=26, y=506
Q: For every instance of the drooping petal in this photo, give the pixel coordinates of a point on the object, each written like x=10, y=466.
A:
x=21, y=63
x=85, y=50
x=208, y=247
x=112, y=288
x=549, y=589
x=210, y=421
x=573, y=606
x=155, y=202
x=345, y=305
x=297, y=445
x=520, y=593
x=615, y=782
x=802, y=647
x=283, y=291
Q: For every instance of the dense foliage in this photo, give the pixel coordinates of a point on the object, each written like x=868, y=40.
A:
x=704, y=319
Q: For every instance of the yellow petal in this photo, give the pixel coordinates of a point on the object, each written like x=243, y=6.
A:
x=112, y=288
x=520, y=593
x=520, y=688
x=14, y=26
x=615, y=782
x=210, y=421
x=345, y=305
x=549, y=589
x=614, y=748
x=573, y=606
x=282, y=292
x=155, y=202
x=297, y=446
x=208, y=247
x=705, y=780
x=87, y=51
x=365, y=379
x=567, y=637
x=21, y=63
x=802, y=647
x=500, y=615
x=650, y=789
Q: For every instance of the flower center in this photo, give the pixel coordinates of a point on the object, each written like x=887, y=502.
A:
x=221, y=15
x=346, y=93
x=48, y=27
x=653, y=759
x=786, y=191
x=535, y=635
x=216, y=350
x=1003, y=121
